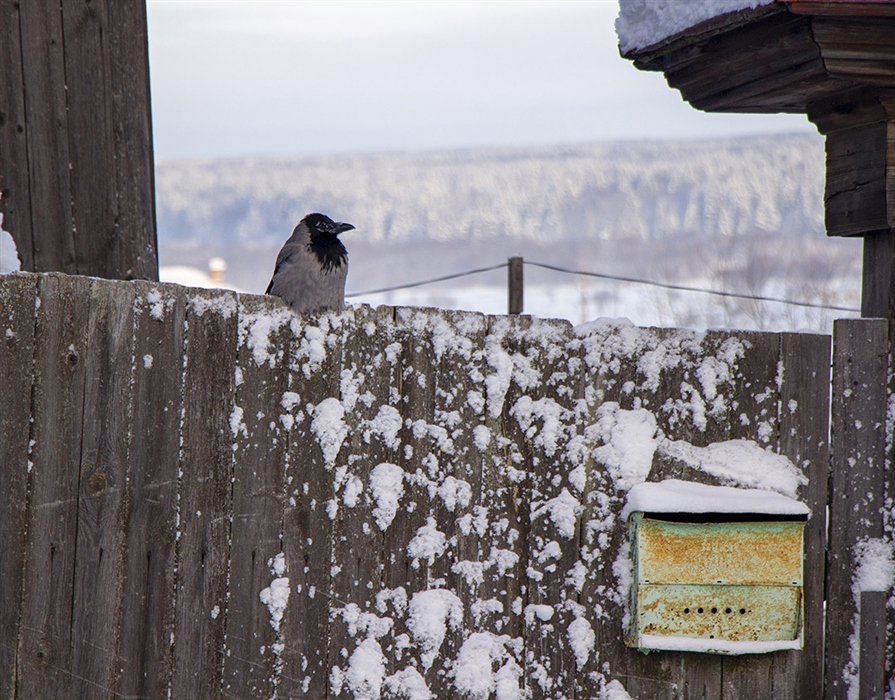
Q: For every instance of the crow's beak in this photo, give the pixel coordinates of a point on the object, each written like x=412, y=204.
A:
x=339, y=227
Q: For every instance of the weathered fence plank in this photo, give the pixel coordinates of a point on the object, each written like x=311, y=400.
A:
x=557, y=628
x=803, y=438
x=17, y=298
x=46, y=129
x=75, y=137
x=508, y=481
x=104, y=474
x=147, y=620
x=14, y=179
x=44, y=656
x=136, y=256
x=260, y=444
x=205, y=493
x=872, y=634
x=314, y=370
x=755, y=394
x=858, y=460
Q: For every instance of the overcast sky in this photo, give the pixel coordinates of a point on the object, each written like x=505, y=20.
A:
x=282, y=77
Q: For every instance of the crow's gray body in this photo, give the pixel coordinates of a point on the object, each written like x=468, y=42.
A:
x=312, y=266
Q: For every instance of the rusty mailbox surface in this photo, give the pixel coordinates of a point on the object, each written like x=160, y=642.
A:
x=721, y=583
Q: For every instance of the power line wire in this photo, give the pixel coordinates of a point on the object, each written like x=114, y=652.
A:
x=685, y=288
x=615, y=278
x=431, y=281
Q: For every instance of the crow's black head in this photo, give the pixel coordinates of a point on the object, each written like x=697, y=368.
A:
x=325, y=243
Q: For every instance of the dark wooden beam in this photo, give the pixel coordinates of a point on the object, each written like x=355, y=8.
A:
x=76, y=160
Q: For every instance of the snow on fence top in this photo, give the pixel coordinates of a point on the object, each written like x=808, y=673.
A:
x=645, y=23
x=428, y=503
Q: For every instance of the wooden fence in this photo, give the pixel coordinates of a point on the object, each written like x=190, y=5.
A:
x=206, y=496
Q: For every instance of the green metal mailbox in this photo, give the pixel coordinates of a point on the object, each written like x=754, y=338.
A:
x=728, y=581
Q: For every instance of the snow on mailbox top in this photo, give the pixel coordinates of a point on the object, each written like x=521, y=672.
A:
x=645, y=23
x=675, y=496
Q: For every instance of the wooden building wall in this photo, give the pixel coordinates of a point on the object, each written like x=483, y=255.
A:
x=76, y=163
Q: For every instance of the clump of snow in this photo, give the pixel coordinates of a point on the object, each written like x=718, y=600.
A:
x=408, y=684
x=644, y=23
x=629, y=443
x=9, y=256
x=740, y=462
x=614, y=691
x=676, y=496
x=223, y=304
x=428, y=543
x=498, y=382
x=276, y=596
x=481, y=437
x=543, y=612
x=455, y=492
x=563, y=510
x=386, y=487
x=874, y=565
x=237, y=425
x=368, y=624
x=255, y=330
x=526, y=411
x=429, y=614
x=474, y=673
x=386, y=424
x=366, y=670
x=156, y=305
x=329, y=426
x=581, y=639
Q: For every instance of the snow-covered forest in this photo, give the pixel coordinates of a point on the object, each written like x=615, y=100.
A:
x=742, y=215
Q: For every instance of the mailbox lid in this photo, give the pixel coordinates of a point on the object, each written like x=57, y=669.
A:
x=728, y=553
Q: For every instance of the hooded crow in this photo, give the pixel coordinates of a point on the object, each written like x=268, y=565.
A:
x=312, y=266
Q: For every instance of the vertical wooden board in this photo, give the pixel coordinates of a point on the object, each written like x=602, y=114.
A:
x=506, y=491
x=261, y=441
x=604, y=371
x=15, y=192
x=58, y=402
x=858, y=446
x=754, y=397
x=315, y=362
x=17, y=295
x=555, y=623
x=46, y=117
x=205, y=493
x=804, y=429
x=454, y=339
x=421, y=459
x=86, y=32
x=359, y=546
x=147, y=617
x=872, y=661
x=132, y=131
x=104, y=473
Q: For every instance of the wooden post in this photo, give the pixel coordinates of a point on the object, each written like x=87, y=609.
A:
x=514, y=285
x=76, y=164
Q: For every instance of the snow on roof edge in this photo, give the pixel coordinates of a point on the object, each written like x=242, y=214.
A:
x=645, y=23
x=676, y=496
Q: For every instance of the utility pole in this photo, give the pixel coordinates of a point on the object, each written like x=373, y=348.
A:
x=514, y=285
